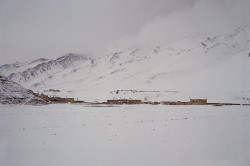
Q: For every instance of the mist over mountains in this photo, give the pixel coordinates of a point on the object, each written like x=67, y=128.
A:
x=49, y=29
x=195, y=66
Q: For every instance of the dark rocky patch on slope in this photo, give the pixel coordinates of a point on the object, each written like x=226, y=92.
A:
x=13, y=93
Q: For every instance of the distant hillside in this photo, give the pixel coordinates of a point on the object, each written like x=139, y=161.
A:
x=13, y=93
x=212, y=66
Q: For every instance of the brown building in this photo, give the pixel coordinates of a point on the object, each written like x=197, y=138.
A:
x=124, y=101
x=182, y=103
x=198, y=101
x=174, y=103
x=61, y=100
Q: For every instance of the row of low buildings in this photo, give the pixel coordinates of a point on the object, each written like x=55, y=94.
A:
x=57, y=99
x=125, y=101
x=191, y=102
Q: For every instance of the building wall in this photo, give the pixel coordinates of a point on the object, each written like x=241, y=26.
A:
x=198, y=101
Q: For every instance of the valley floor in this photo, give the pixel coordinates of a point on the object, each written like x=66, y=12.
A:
x=127, y=135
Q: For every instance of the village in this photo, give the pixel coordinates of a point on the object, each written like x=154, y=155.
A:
x=56, y=99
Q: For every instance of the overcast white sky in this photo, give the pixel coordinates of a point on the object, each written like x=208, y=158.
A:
x=31, y=29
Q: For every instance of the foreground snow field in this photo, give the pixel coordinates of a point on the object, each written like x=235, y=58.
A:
x=77, y=135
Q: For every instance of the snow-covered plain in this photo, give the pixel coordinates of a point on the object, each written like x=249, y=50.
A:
x=76, y=135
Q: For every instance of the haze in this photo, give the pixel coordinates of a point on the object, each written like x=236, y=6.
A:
x=32, y=29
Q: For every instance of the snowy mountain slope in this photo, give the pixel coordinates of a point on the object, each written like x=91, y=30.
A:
x=8, y=69
x=13, y=93
x=45, y=71
x=216, y=67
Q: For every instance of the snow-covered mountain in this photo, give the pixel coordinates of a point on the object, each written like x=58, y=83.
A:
x=8, y=69
x=216, y=67
x=47, y=69
x=13, y=93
